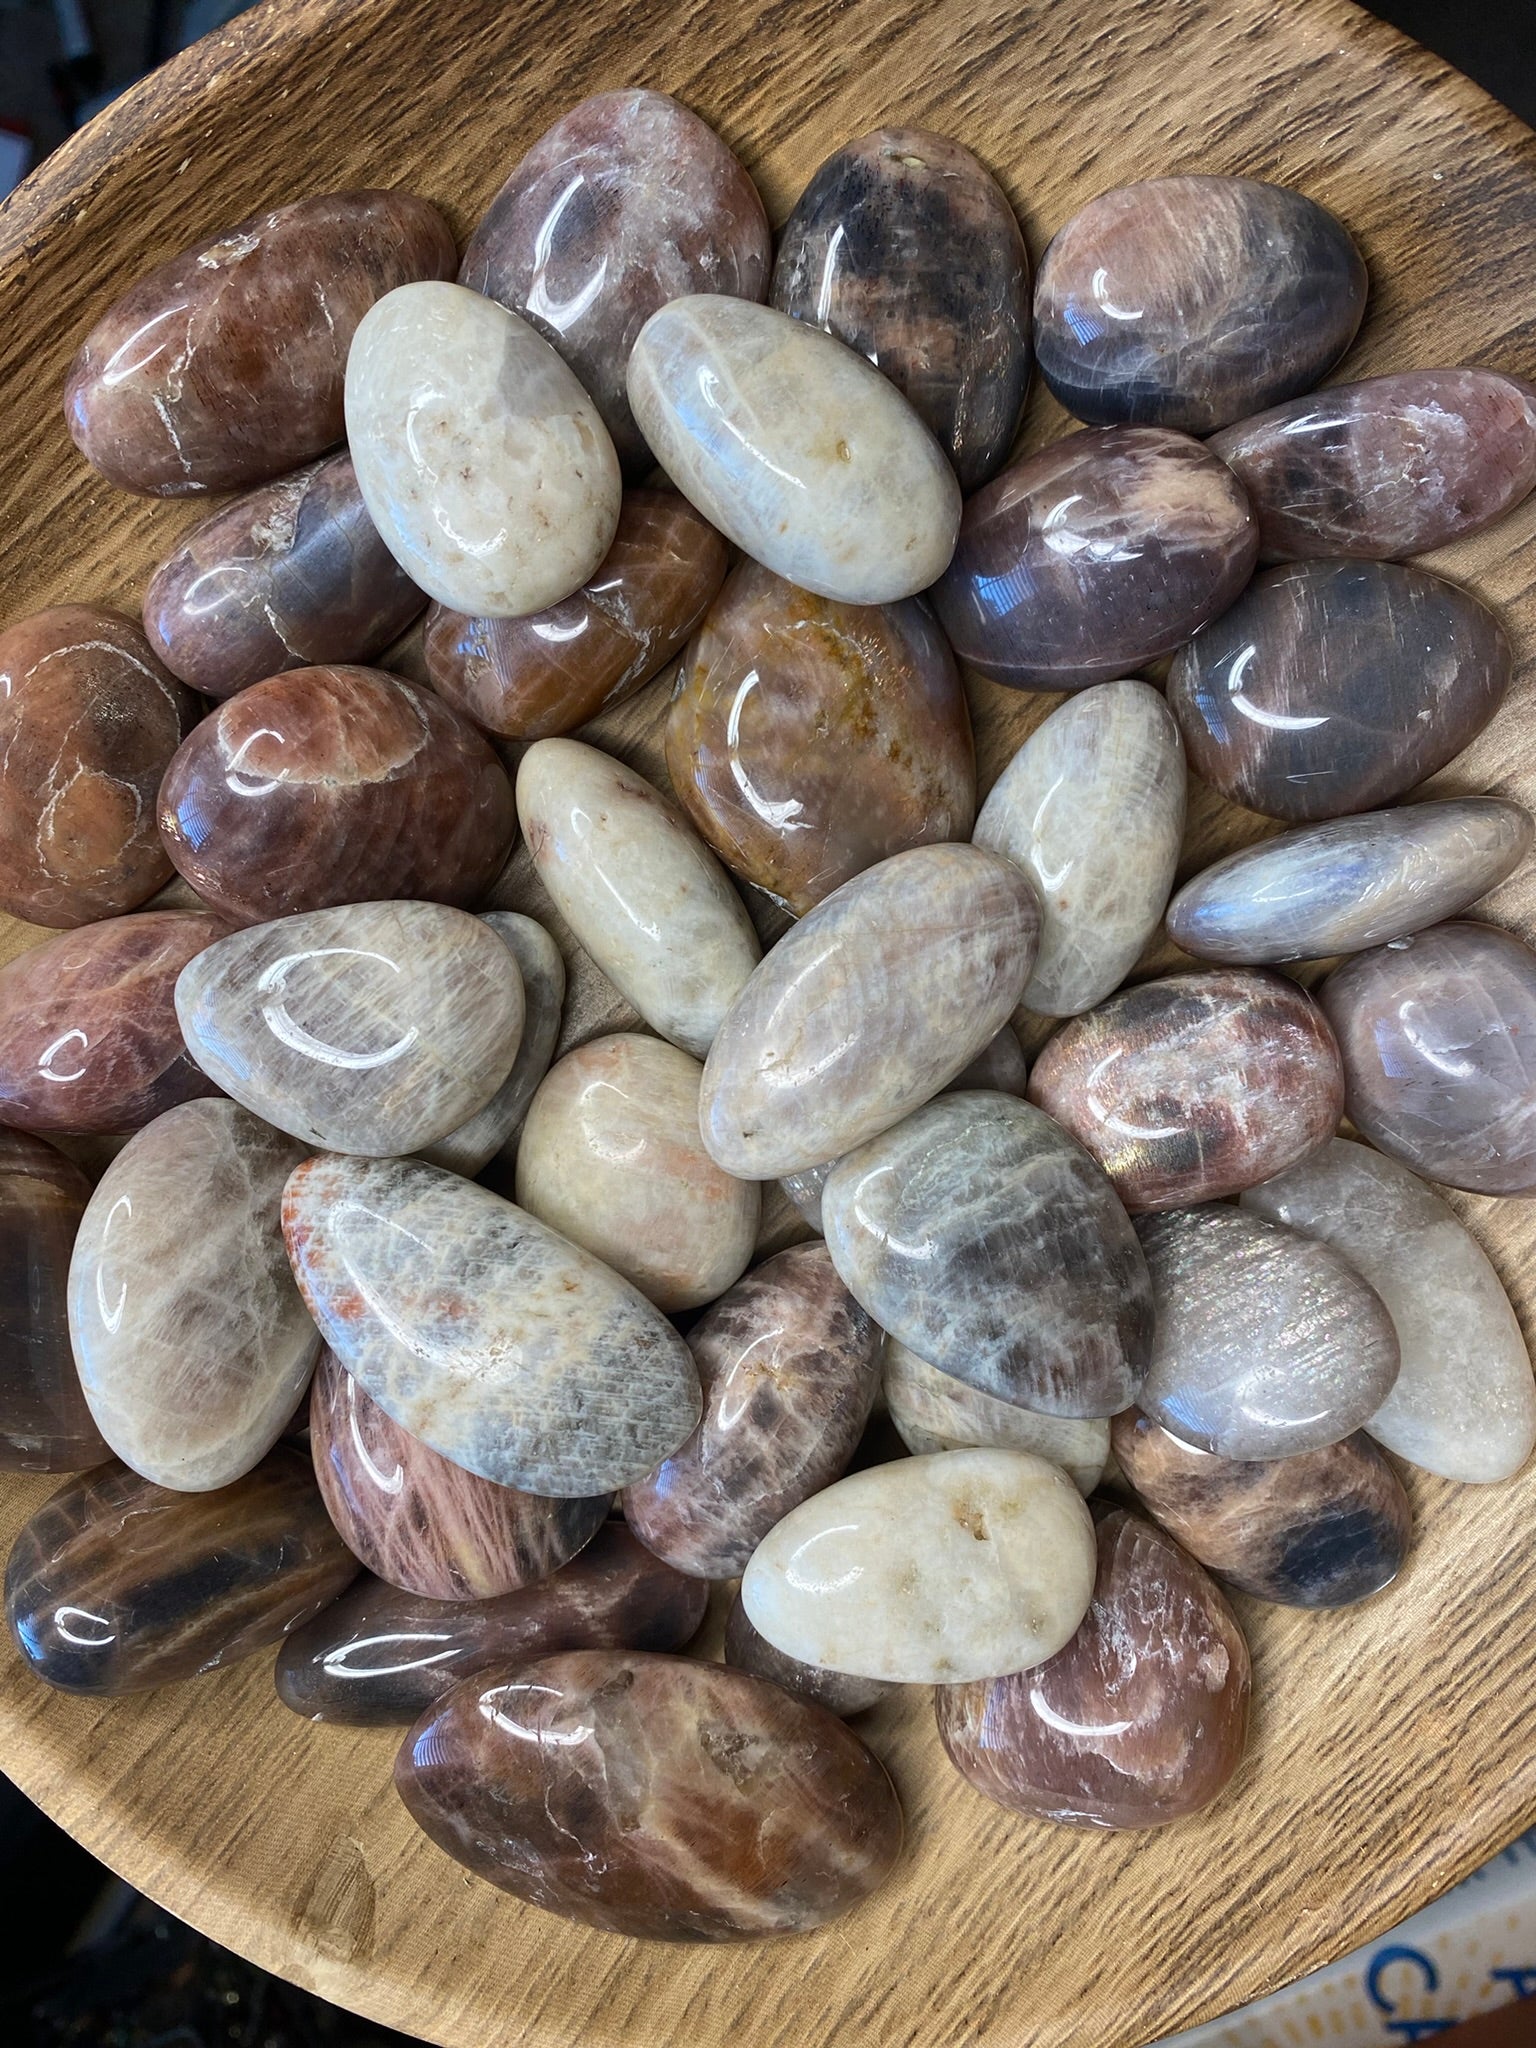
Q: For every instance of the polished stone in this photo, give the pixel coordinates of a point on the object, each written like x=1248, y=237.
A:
x=1438, y=1035
x=869, y=1006
x=929, y=1571
x=89, y=1039
x=1416, y=668
x=790, y=1366
x=1321, y=1529
x=472, y=1145
x=809, y=739
x=194, y=1345
x=1093, y=556
x=483, y=463
x=611, y=1157
x=118, y=1585
x=369, y=1027
x=379, y=1657
x=837, y=1691
x=805, y=1191
x=223, y=366
x=88, y=721
x=980, y=1234
x=499, y=1344
x=1350, y=883
x=425, y=1525
x=1267, y=1343
x=1188, y=302
x=45, y=1425
x=1092, y=808
x=796, y=448
x=934, y=1411
x=629, y=200
x=1391, y=466
x=638, y=887
x=1464, y=1404
x=1194, y=1086
x=1141, y=1720
x=654, y=1796
x=547, y=673
x=905, y=247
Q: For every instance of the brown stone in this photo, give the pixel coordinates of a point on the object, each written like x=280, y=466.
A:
x=45, y=1425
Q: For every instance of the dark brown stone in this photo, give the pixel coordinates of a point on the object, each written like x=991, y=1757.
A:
x=45, y=1425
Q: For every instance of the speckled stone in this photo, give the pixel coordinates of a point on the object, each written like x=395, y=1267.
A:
x=837, y=1691
x=45, y=1425
x=475, y=1143
x=935, y=1411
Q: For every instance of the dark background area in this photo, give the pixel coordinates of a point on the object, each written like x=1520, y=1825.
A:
x=84, y=1961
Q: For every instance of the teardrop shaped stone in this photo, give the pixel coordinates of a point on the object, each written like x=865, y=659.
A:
x=935, y=1411
x=839, y=1693
x=45, y=1424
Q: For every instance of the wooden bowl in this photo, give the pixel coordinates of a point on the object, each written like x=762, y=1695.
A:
x=1392, y=1747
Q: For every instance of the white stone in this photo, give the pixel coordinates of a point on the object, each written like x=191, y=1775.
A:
x=933, y=1411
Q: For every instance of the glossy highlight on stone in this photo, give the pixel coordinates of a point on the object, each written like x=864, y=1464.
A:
x=629, y=200
x=654, y=1796
x=1189, y=302
x=1416, y=668
x=796, y=448
x=117, y=1585
x=1093, y=556
x=224, y=365
x=1320, y=1529
x=839, y=1693
x=904, y=246
x=809, y=739
x=1194, y=1086
x=45, y=1425
x=790, y=1366
x=292, y=575
x=549, y=672
x=335, y=785
x=935, y=1411
x=379, y=1657
x=472, y=1145
x=499, y=1344
x=370, y=1027
x=88, y=721
x=1141, y=1720
x=1390, y=466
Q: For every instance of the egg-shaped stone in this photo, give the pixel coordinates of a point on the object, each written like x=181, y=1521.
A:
x=837, y=1691
x=483, y=463
x=45, y=1424
x=472, y=1145
x=796, y=448
x=935, y=1411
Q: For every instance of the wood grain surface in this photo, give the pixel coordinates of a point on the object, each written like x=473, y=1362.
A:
x=1392, y=1747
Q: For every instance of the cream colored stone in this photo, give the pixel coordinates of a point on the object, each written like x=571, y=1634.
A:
x=933, y=1411
x=490, y=1130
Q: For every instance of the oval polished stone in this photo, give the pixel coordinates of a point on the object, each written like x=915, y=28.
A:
x=1390, y=466
x=293, y=574
x=928, y=1571
x=422, y=1524
x=935, y=1411
x=637, y=886
x=496, y=1342
x=1438, y=1034
x=223, y=366
x=981, y=1235
x=796, y=448
x=790, y=1366
x=611, y=1157
x=629, y=200
x=89, y=1040
x=1416, y=668
x=483, y=463
x=1350, y=883
x=809, y=739
x=472, y=1145
x=1141, y=1720
x=903, y=246
x=1320, y=1529
x=1464, y=1404
x=1195, y=1086
x=88, y=722
x=1188, y=302
x=45, y=1425
x=1092, y=808
x=118, y=1585
x=335, y=785
x=193, y=1344
x=379, y=1657
x=839, y=1693
x=535, y=677
x=654, y=1796
x=369, y=1027
x=1094, y=556
x=869, y=1006
x=1267, y=1343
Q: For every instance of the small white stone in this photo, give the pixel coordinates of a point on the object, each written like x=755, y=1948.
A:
x=933, y=1411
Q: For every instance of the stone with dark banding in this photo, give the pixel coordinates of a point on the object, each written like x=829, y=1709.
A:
x=45, y=1424
x=934, y=1411
x=837, y=1691
x=472, y=1145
